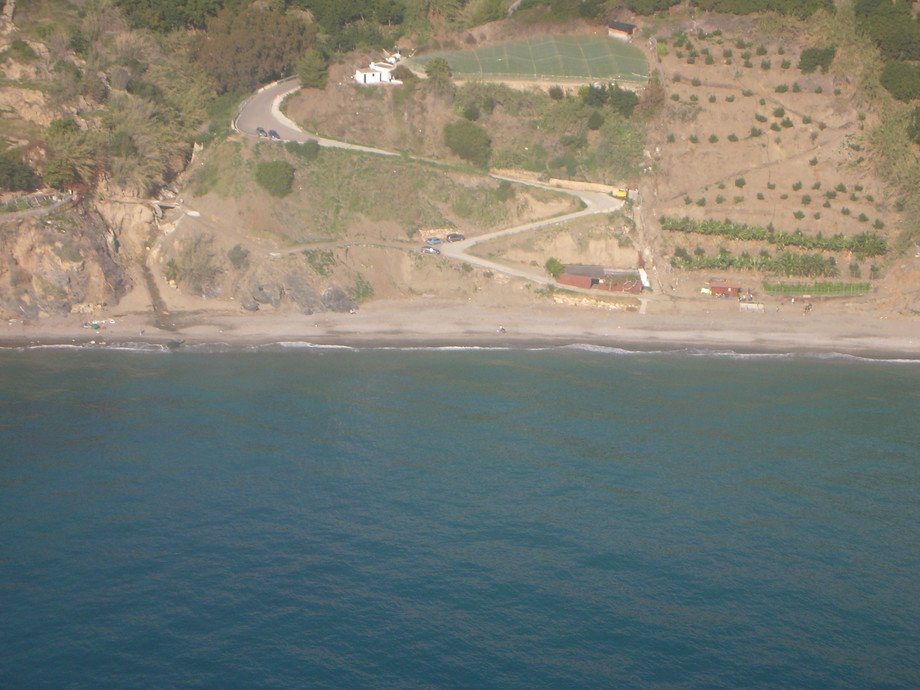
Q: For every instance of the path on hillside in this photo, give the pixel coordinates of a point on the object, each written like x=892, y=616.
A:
x=263, y=109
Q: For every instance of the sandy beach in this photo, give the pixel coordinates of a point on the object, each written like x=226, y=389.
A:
x=717, y=326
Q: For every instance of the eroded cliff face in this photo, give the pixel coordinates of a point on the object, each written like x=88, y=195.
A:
x=65, y=262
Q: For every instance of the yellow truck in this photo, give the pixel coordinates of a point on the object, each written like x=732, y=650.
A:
x=619, y=193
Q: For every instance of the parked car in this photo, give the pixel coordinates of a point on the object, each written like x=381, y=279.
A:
x=434, y=240
x=273, y=135
x=261, y=132
x=455, y=237
x=430, y=250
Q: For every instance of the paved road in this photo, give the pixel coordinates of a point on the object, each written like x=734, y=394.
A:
x=263, y=109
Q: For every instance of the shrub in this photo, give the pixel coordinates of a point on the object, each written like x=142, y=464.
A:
x=760, y=196
x=878, y=224
x=713, y=139
x=738, y=199
x=796, y=88
x=670, y=138
x=687, y=200
x=845, y=211
x=779, y=112
x=695, y=81
x=709, y=60
x=238, y=256
x=771, y=185
x=760, y=118
x=775, y=127
x=816, y=215
x=469, y=141
x=863, y=218
x=556, y=93
x=308, y=151
x=733, y=137
x=786, y=122
x=782, y=88
x=806, y=199
x=720, y=199
x=764, y=64
x=694, y=98
x=694, y=139
x=813, y=58
x=796, y=186
x=15, y=175
x=813, y=162
x=740, y=182
x=712, y=98
x=276, y=177
x=842, y=188
x=806, y=120
x=798, y=215
x=595, y=120
x=747, y=93
x=902, y=79
x=729, y=99
x=785, y=64
x=675, y=96
x=748, y=64
x=818, y=89
x=471, y=112
x=701, y=201
x=554, y=267
x=816, y=185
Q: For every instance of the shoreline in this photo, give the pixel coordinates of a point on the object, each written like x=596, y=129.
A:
x=411, y=324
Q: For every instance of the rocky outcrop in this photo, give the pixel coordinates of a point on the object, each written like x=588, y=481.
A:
x=57, y=265
x=277, y=283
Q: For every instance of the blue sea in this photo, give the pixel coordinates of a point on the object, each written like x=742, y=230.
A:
x=571, y=517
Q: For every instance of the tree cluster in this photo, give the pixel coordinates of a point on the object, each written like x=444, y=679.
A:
x=813, y=58
x=244, y=49
x=621, y=100
x=795, y=8
x=469, y=141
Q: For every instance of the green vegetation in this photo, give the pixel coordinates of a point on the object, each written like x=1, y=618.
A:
x=275, y=177
x=554, y=267
x=819, y=288
x=196, y=264
x=813, y=58
x=15, y=175
x=362, y=290
x=469, y=141
x=547, y=58
x=308, y=150
x=311, y=68
x=321, y=260
x=902, y=79
x=864, y=244
x=245, y=48
x=796, y=8
x=787, y=263
x=238, y=256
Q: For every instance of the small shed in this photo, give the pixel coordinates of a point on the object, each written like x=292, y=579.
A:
x=368, y=76
x=720, y=288
x=622, y=31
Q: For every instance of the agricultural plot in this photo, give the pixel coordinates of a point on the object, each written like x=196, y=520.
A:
x=547, y=58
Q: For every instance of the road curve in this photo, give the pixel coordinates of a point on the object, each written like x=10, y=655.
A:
x=263, y=109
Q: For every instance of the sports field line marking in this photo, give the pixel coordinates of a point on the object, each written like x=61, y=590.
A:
x=533, y=62
x=585, y=58
x=478, y=61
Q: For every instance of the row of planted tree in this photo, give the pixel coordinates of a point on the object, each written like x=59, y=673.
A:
x=786, y=263
x=863, y=245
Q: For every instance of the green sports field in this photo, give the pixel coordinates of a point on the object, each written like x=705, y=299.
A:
x=547, y=58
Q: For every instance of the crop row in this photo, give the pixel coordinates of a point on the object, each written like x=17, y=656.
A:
x=864, y=244
x=787, y=263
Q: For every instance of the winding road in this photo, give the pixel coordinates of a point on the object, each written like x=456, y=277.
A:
x=263, y=109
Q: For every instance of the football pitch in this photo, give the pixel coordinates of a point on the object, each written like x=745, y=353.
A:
x=547, y=58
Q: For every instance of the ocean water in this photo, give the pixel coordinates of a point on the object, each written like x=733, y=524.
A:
x=478, y=518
